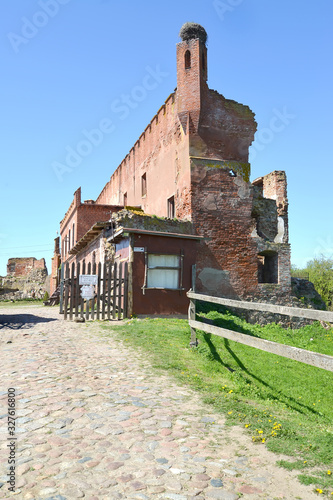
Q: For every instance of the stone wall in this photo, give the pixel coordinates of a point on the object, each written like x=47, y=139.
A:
x=31, y=286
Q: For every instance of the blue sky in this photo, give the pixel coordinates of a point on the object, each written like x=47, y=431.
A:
x=66, y=64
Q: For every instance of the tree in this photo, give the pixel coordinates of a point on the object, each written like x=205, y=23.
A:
x=321, y=275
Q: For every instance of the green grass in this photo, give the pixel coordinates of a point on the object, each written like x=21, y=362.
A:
x=19, y=303
x=282, y=403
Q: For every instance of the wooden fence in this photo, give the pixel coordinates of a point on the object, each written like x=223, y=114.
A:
x=311, y=358
x=110, y=294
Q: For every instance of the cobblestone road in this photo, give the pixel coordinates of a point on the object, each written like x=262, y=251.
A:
x=95, y=422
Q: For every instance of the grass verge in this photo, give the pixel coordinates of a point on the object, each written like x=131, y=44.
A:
x=283, y=404
x=19, y=303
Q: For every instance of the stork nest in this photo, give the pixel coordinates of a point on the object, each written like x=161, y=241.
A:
x=189, y=31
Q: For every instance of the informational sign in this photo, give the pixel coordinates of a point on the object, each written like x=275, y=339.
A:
x=88, y=279
x=88, y=292
x=139, y=249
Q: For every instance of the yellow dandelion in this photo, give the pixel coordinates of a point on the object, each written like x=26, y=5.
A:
x=318, y=490
x=247, y=425
x=229, y=412
x=263, y=440
x=329, y=472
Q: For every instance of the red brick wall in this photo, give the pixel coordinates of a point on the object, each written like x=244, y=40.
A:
x=275, y=188
x=222, y=207
x=83, y=216
x=23, y=266
x=162, y=154
x=56, y=261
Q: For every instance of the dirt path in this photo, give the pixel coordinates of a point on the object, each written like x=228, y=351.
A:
x=95, y=422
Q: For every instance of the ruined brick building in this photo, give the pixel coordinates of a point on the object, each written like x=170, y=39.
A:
x=22, y=266
x=26, y=278
x=191, y=164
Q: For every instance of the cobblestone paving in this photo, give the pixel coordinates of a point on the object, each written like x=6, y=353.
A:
x=94, y=421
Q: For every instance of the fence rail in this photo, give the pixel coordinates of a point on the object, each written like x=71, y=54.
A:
x=311, y=358
x=262, y=306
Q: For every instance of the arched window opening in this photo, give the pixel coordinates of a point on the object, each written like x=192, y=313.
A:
x=187, y=59
x=93, y=260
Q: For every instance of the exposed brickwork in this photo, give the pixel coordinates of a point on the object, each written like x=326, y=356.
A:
x=79, y=218
x=22, y=266
x=56, y=261
x=221, y=210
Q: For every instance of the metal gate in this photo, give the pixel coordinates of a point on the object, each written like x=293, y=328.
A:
x=110, y=294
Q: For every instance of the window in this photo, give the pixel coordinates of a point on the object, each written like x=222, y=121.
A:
x=73, y=235
x=171, y=207
x=143, y=185
x=268, y=267
x=163, y=271
x=93, y=260
x=69, y=239
x=187, y=59
x=125, y=199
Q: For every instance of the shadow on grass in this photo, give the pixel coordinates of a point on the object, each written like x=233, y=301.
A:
x=231, y=325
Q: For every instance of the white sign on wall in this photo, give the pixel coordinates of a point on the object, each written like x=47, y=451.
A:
x=139, y=249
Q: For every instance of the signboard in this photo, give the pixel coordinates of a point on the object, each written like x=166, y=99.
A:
x=88, y=292
x=139, y=249
x=88, y=279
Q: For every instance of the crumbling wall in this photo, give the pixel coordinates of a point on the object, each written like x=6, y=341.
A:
x=31, y=286
x=140, y=220
x=222, y=207
x=22, y=266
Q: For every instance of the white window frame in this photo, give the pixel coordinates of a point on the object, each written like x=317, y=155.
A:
x=149, y=267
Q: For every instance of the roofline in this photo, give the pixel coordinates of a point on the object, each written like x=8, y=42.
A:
x=89, y=236
x=153, y=233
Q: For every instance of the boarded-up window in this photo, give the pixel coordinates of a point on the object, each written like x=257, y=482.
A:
x=163, y=271
x=125, y=199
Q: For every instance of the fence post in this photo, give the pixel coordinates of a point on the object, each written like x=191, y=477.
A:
x=77, y=291
x=66, y=290
x=82, y=300
x=98, y=299
x=62, y=276
x=191, y=315
x=71, y=298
